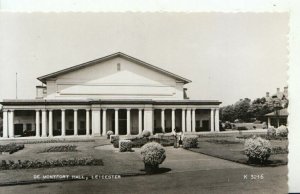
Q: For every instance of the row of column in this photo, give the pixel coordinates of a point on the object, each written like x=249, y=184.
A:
x=189, y=120
x=8, y=123
x=96, y=121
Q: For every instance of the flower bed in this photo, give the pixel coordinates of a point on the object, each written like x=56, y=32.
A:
x=55, y=141
x=62, y=148
x=11, y=148
x=25, y=164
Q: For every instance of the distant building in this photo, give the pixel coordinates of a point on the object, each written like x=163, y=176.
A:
x=278, y=117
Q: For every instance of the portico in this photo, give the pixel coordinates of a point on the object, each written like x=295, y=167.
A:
x=69, y=120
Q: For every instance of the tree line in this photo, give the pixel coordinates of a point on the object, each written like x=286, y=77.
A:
x=249, y=111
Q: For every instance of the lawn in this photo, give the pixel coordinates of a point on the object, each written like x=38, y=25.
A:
x=111, y=162
x=229, y=147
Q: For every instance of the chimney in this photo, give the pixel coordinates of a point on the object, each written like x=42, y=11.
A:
x=278, y=90
x=285, y=90
x=267, y=94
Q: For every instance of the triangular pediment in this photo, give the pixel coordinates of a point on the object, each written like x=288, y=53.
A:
x=102, y=60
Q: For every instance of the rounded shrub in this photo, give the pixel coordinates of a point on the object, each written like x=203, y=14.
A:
x=125, y=145
x=271, y=131
x=146, y=133
x=282, y=131
x=153, y=155
x=257, y=149
x=190, y=142
x=109, y=133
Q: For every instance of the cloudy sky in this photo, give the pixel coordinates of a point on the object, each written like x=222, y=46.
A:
x=227, y=56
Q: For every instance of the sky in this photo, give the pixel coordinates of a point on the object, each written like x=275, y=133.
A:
x=228, y=56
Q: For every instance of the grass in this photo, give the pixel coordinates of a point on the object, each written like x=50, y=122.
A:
x=229, y=148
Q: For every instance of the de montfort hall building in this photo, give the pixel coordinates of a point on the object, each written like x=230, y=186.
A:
x=118, y=93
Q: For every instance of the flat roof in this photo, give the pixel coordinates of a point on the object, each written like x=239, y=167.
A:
x=104, y=101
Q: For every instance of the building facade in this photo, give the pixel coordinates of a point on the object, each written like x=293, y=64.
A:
x=118, y=93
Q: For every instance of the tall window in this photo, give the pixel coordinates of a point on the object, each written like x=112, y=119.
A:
x=119, y=67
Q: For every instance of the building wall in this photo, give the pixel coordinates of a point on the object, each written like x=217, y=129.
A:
x=106, y=81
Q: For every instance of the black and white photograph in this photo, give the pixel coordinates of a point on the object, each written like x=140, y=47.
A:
x=140, y=102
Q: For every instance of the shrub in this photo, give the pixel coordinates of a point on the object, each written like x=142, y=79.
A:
x=138, y=141
x=257, y=149
x=257, y=122
x=271, y=131
x=190, y=142
x=116, y=143
x=11, y=148
x=227, y=125
x=153, y=155
x=125, y=145
x=282, y=131
x=113, y=138
x=146, y=133
x=109, y=133
x=264, y=125
x=86, y=161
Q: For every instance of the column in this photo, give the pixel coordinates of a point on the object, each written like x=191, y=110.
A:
x=140, y=121
x=269, y=122
x=37, y=123
x=163, y=120
x=5, y=123
x=44, y=123
x=116, y=121
x=173, y=119
x=11, y=124
x=183, y=120
x=96, y=122
x=75, y=122
x=87, y=122
x=50, y=122
x=217, y=123
x=148, y=119
x=212, y=126
x=194, y=120
x=104, y=122
x=63, y=125
x=188, y=120
x=128, y=121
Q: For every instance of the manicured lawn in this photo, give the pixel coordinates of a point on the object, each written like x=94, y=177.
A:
x=230, y=148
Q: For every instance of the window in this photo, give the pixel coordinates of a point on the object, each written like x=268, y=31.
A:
x=119, y=67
